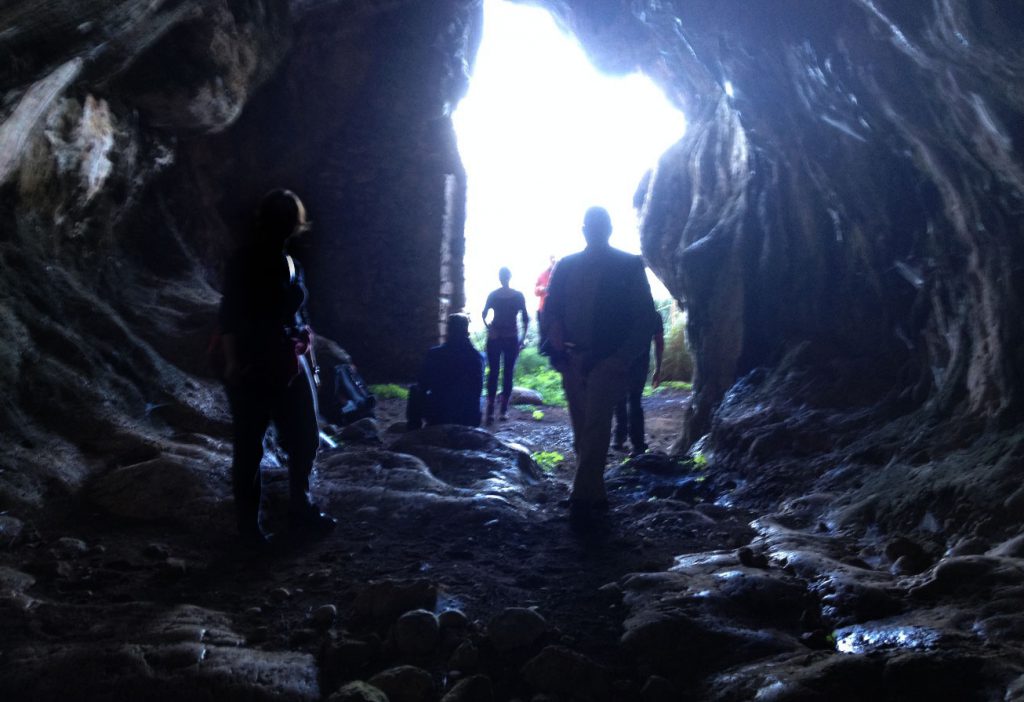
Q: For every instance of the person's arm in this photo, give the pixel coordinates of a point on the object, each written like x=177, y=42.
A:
x=659, y=352
x=637, y=340
x=488, y=306
x=526, y=320
x=554, y=317
x=540, y=289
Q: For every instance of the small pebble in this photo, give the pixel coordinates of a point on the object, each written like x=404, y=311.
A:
x=280, y=594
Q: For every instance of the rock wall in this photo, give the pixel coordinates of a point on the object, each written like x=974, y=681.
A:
x=848, y=196
x=135, y=140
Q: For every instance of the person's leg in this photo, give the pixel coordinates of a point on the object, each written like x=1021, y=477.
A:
x=542, y=332
x=573, y=386
x=414, y=408
x=604, y=386
x=250, y=417
x=637, y=380
x=637, y=439
x=621, y=424
x=299, y=436
x=493, y=365
x=509, y=352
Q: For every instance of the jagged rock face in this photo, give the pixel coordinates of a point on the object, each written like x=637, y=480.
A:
x=135, y=141
x=842, y=208
x=849, y=193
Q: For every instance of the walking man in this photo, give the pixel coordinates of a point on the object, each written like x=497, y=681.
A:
x=599, y=312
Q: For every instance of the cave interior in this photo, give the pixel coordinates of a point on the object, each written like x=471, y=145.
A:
x=837, y=222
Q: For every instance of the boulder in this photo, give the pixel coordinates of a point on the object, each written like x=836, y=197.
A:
x=526, y=396
x=469, y=457
x=386, y=600
x=516, y=627
x=405, y=683
x=358, y=691
x=417, y=632
x=562, y=671
x=477, y=688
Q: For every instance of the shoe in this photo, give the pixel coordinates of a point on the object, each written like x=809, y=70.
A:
x=311, y=520
x=589, y=518
x=254, y=536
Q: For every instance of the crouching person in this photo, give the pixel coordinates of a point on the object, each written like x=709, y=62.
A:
x=450, y=381
x=265, y=337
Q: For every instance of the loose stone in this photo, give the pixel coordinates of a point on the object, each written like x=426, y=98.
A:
x=417, y=632
x=466, y=657
x=405, y=683
x=516, y=627
x=324, y=616
x=477, y=688
x=358, y=691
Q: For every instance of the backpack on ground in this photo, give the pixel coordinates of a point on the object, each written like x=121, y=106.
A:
x=351, y=399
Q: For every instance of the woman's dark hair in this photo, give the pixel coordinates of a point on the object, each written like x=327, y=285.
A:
x=280, y=212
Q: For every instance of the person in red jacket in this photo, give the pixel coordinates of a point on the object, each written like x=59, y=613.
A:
x=540, y=289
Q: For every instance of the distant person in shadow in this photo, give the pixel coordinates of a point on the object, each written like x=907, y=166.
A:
x=450, y=381
x=629, y=412
x=265, y=338
x=599, y=311
x=503, y=340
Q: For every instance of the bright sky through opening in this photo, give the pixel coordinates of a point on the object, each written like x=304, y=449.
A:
x=544, y=136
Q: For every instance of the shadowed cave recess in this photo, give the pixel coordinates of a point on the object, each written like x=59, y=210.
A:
x=842, y=223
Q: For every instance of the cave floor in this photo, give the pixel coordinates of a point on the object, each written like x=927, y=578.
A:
x=84, y=580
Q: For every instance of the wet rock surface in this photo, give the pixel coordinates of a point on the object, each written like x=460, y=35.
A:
x=430, y=590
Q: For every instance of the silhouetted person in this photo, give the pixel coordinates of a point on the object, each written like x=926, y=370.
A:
x=503, y=342
x=265, y=337
x=599, y=311
x=629, y=411
x=540, y=289
x=450, y=381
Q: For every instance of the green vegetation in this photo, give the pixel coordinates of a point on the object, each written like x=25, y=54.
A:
x=537, y=415
x=547, y=460
x=677, y=364
x=700, y=461
x=390, y=391
x=533, y=371
x=666, y=385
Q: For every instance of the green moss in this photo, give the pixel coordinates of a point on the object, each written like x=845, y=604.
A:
x=547, y=460
x=390, y=391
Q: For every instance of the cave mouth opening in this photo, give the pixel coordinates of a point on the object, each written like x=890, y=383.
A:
x=543, y=135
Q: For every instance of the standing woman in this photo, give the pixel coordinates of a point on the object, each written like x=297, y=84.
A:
x=503, y=341
x=265, y=338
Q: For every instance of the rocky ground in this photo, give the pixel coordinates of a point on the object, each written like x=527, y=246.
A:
x=455, y=574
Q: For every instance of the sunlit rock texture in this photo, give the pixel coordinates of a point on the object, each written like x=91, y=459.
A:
x=847, y=205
